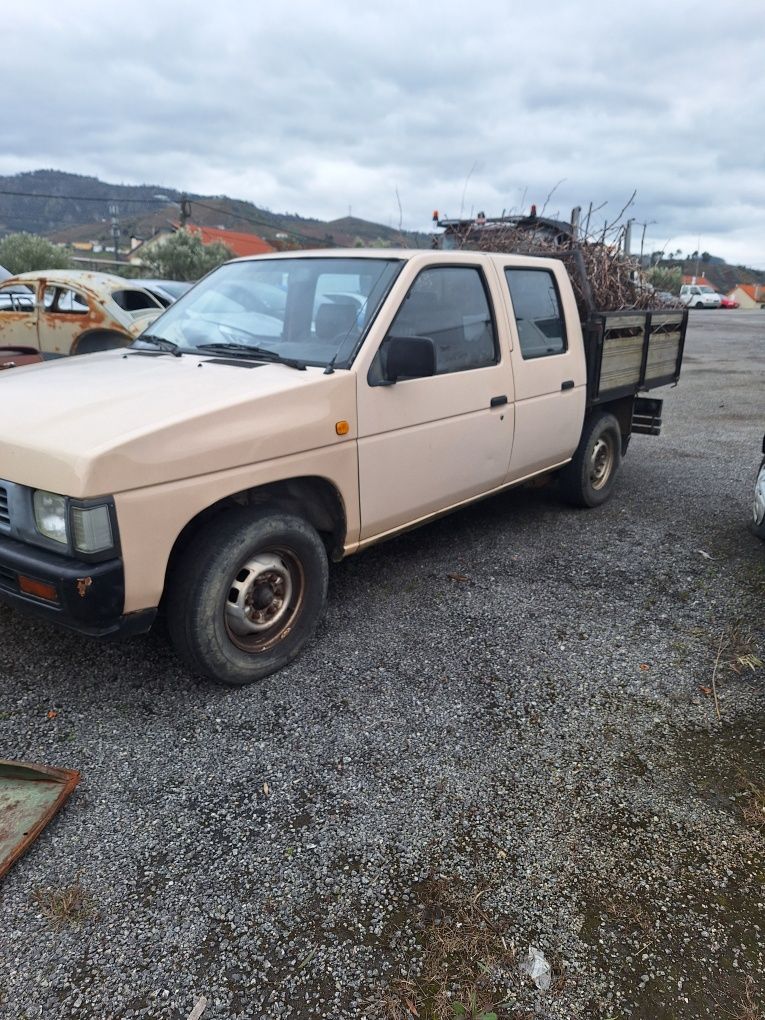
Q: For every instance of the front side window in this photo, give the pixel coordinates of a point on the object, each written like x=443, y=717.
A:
x=17, y=297
x=541, y=329
x=315, y=310
x=449, y=304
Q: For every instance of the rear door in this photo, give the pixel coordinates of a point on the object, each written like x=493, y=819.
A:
x=549, y=369
x=427, y=444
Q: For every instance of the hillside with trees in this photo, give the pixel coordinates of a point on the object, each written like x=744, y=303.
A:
x=72, y=207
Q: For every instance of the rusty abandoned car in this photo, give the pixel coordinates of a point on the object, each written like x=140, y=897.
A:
x=60, y=312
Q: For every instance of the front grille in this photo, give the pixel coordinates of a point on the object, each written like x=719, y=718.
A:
x=5, y=513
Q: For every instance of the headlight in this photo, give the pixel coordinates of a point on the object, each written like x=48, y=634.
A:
x=82, y=529
x=91, y=529
x=50, y=515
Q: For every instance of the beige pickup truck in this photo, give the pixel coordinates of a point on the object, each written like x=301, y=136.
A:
x=294, y=409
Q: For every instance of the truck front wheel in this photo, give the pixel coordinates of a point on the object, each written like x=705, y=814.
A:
x=247, y=595
x=589, y=478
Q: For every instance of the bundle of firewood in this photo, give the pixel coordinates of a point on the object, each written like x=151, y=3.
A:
x=612, y=280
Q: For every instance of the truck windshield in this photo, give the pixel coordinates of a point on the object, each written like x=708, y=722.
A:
x=315, y=310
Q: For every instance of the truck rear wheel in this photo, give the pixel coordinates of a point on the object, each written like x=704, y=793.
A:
x=247, y=595
x=589, y=478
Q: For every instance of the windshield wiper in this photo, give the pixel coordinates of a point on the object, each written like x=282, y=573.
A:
x=159, y=341
x=248, y=350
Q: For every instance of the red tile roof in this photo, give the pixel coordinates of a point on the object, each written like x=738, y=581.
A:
x=756, y=291
x=239, y=243
x=699, y=281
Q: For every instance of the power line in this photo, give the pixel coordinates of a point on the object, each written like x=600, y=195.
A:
x=83, y=198
x=192, y=201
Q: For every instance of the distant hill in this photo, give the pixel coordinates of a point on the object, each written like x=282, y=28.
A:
x=720, y=274
x=72, y=207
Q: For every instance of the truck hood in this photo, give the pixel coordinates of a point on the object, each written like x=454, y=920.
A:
x=107, y=423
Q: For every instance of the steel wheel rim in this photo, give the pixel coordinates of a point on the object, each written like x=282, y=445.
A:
x=263, y=599
x=759, y=498
x=601, y=462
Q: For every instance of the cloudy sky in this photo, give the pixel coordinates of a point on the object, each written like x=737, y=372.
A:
x=315, y=108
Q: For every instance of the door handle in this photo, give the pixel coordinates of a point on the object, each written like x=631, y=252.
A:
x=498, y=401
x=568, y=384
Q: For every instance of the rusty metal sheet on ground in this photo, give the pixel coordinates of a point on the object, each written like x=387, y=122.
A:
x=30, y=795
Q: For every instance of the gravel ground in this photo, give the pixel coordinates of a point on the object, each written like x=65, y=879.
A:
x=455, y=770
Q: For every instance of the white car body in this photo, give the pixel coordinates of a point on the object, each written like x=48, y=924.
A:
x=696, y=295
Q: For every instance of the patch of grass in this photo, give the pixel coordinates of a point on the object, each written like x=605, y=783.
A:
x=746, y=1006
x=752, y=805
x=67, y=905
x=628, y=913
x=739, y=648
x=467, y=959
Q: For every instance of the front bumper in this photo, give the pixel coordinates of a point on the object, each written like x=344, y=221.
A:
x=88, y=596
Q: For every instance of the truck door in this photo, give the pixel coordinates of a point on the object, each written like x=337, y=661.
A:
x=427, y=444
x=549, y=369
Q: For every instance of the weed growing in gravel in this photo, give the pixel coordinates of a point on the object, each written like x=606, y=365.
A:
x=753, y=802
x=467, y=962
x=746, y=1006
x=739, y=647
x=70, y=904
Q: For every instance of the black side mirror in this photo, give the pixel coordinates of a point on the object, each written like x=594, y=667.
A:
x=409, y=357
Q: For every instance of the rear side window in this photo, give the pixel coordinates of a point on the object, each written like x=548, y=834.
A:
x=65, y=301
x=135, y=300
x=536, y=303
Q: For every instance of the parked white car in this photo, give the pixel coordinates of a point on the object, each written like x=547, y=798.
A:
x=695, y=295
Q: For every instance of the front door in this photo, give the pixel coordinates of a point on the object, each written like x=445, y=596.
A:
x=427, y=444
x=64, y=314
x=18, y=315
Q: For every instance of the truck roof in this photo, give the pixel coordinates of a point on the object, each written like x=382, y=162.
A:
x=397, y=254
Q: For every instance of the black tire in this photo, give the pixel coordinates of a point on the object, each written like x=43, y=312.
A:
x=589, y=478
x=758, y=511
x=93, y=343
x=699, y=304
x=247, y=594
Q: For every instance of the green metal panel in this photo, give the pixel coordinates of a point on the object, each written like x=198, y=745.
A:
x=30, y=795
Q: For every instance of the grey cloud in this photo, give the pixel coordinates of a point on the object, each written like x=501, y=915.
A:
x=310, y=108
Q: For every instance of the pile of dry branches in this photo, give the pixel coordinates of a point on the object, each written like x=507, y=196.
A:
x=613, y=279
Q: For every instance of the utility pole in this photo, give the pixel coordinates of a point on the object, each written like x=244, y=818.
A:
x=576, y=217
x=645, y=226
x=114, y=212
x=628, y=238
x=185, y=209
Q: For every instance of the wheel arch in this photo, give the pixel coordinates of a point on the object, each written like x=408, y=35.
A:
x=622, y=409
x=312, y=497
x=93, y=340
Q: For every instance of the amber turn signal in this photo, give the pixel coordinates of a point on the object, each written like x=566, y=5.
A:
x=39, y=589
x=342, y=428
